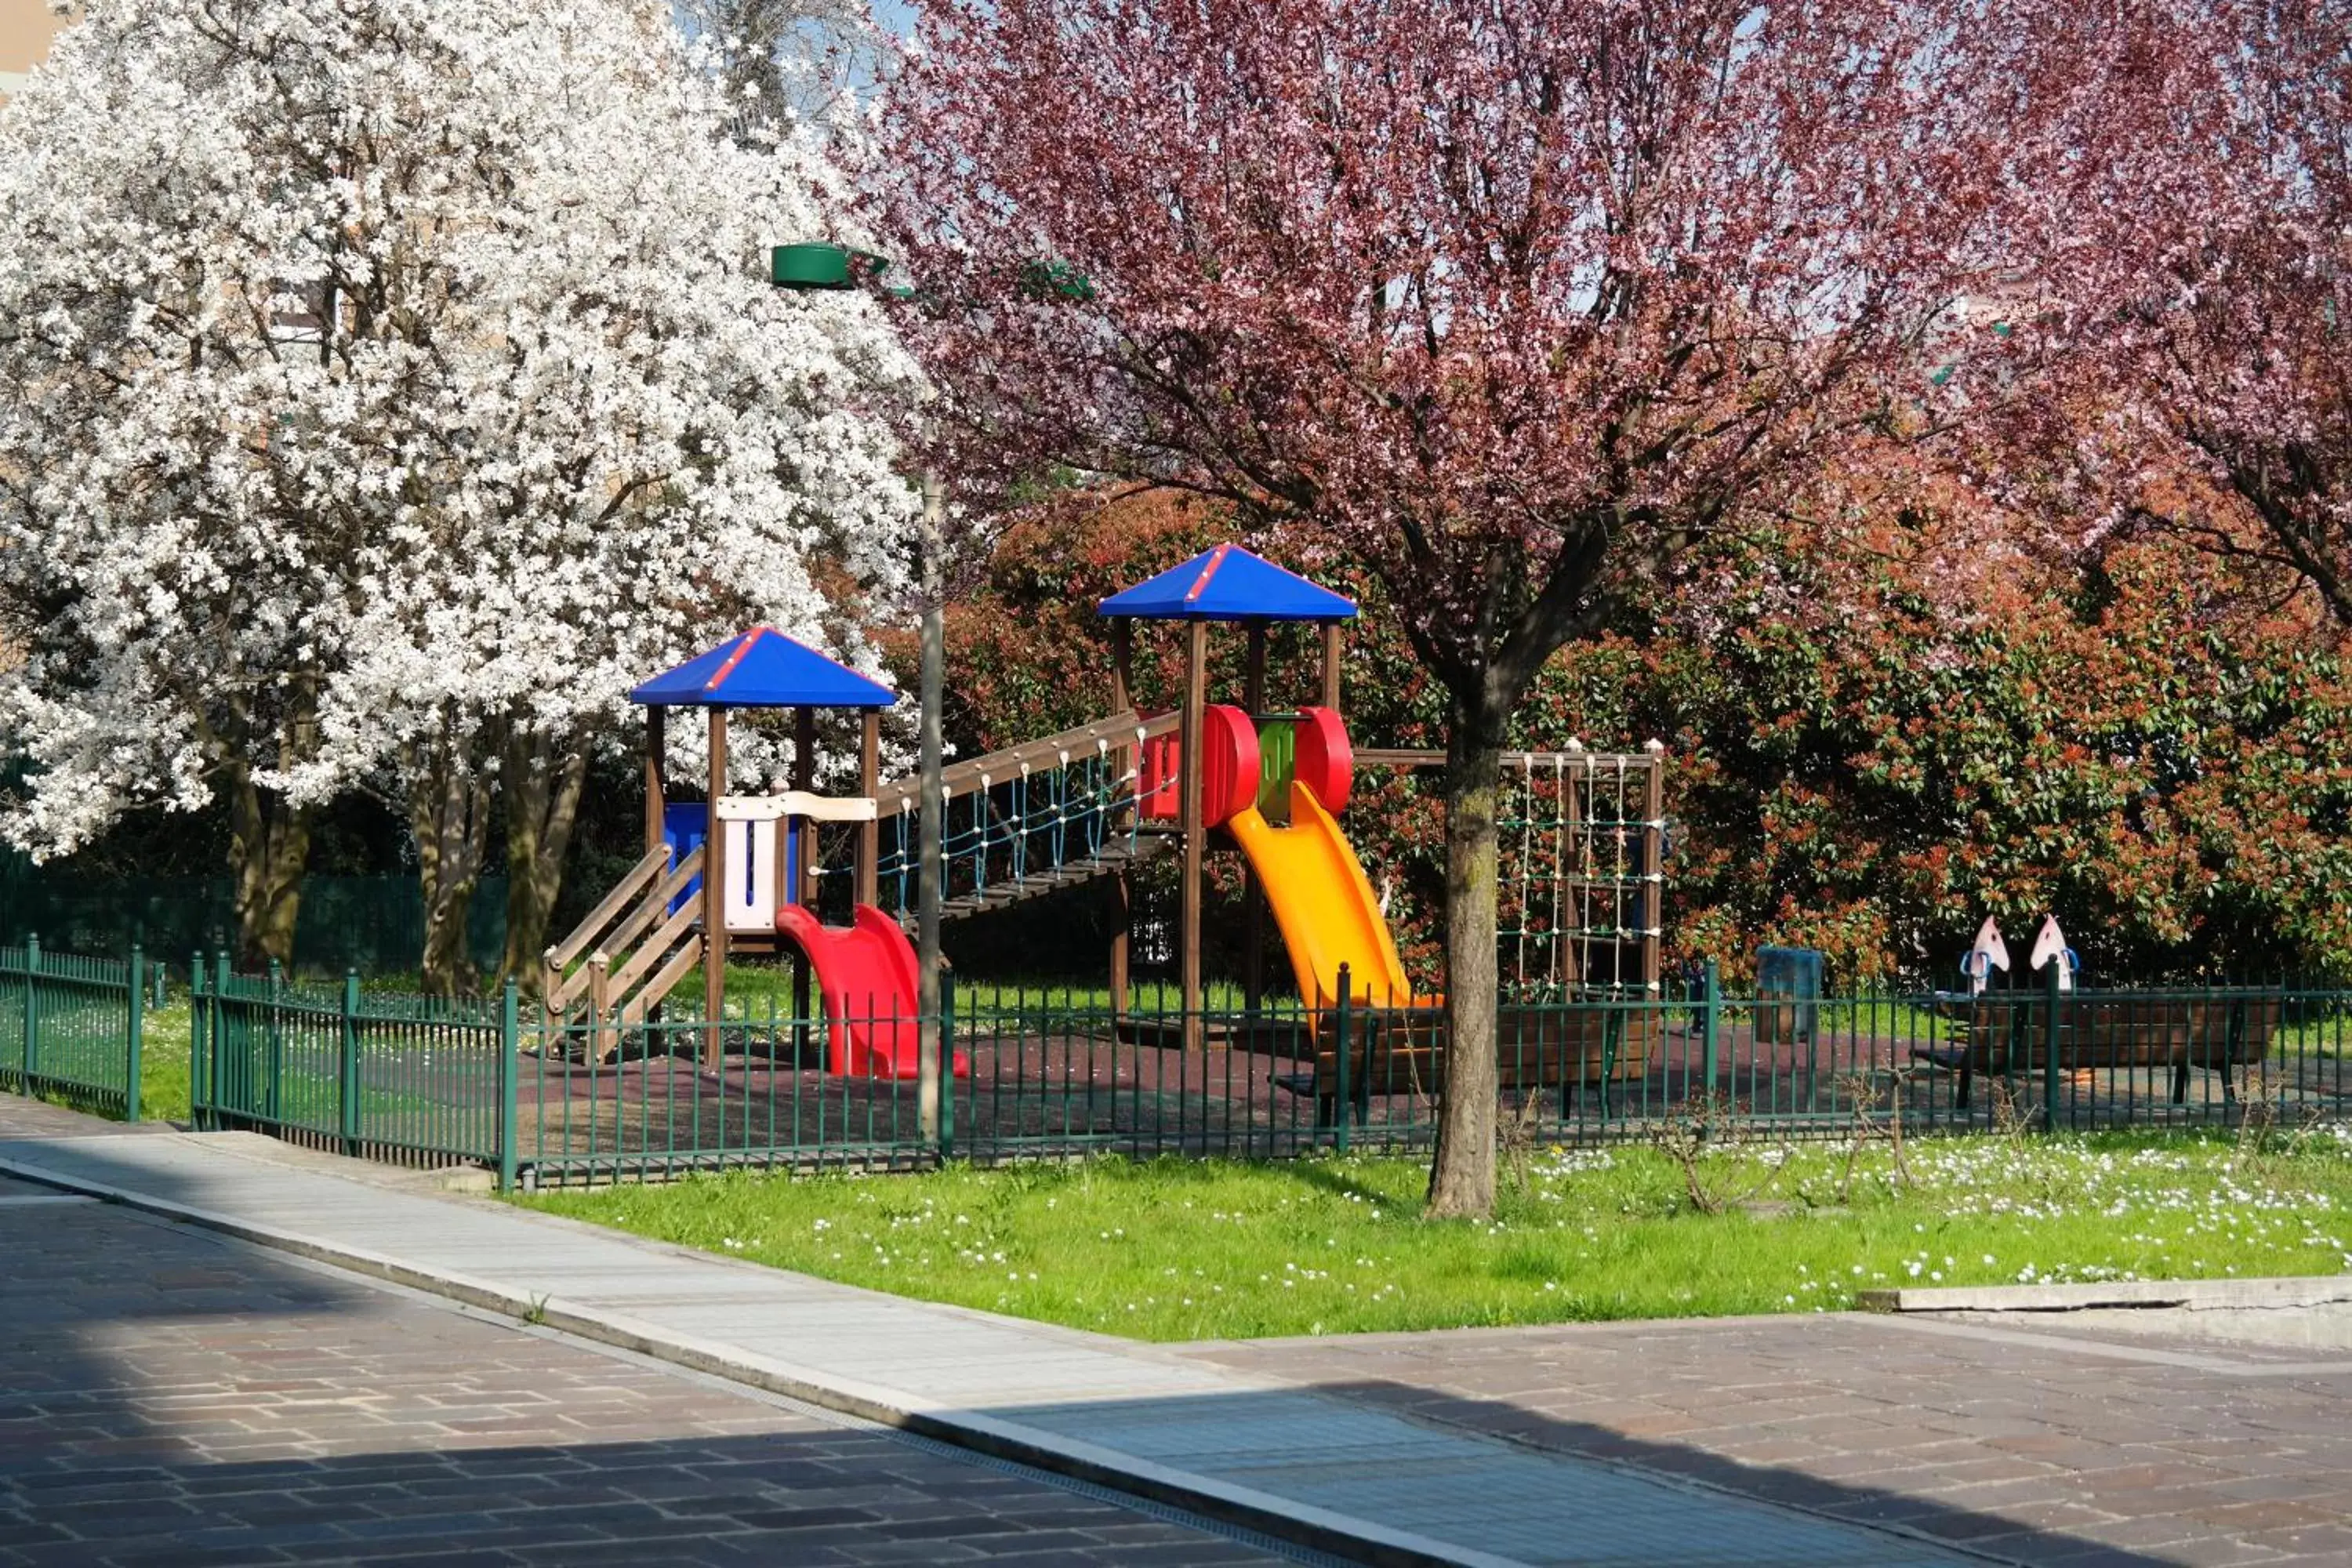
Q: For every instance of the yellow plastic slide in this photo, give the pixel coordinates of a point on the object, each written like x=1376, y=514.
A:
x=1325, y=907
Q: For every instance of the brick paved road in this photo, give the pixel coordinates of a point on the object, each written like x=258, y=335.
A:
x=171, y=1398
x=2027, y=1444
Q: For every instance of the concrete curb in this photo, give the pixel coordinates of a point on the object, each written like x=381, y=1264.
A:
x=2196, y=1294
x=1301, y=1524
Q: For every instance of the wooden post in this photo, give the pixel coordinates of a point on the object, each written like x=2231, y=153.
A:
x=1188, y=939
x=869, y=834
x=714, y=894
x=1124, y=762
x=1252, y=927
x=657, y=740
x=802, y=889
x=1332, y=632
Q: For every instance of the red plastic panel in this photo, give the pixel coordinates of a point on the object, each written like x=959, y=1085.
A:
x=1327, y=763
x=1229, y=779
x=1157, y=797
x=1230, y=764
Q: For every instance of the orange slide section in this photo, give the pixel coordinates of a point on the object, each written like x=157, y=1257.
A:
x=868, y=973
x=1325, y=907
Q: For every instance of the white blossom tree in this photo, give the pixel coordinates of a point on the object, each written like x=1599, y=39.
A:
x=384, y=386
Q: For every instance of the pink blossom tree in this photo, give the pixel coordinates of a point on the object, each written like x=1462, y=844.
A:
x=1513, y=301
x=2214, y=278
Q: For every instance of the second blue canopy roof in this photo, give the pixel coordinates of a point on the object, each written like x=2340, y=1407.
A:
x=1229, y=583
x=762, y=669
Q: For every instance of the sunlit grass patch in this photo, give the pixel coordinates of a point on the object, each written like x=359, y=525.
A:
x=1177, y=1249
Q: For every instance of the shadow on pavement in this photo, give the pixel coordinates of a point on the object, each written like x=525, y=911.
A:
x=1922, y=1520
x=171, y=1399
x=169, y=1396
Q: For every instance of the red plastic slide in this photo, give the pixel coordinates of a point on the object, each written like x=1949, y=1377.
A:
x=867, y=974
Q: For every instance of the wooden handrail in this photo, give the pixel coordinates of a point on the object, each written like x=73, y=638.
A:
x=654, y=949
x=650, y=994
x=562, y=991
x=1119, y=731
x=655, y=906
x=1427, y=757
x=624, y=892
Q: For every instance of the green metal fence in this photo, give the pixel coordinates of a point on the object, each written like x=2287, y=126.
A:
x=1042, y=1075
x=1053, y=1074
x=403, y=1079
x=73, y=1028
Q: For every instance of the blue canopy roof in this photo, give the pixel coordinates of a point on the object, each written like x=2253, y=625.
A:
x=762, y=669
x=1229, y=583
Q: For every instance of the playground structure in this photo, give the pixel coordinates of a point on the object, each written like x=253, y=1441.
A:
x=624, y=1077
x=739, y=874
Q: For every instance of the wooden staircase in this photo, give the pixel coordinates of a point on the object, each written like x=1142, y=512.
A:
x=635, y=928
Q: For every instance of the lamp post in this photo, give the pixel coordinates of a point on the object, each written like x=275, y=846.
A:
x=816, y=268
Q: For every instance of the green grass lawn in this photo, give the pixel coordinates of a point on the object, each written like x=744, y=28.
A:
x=164, y=1054
x=1179, y=1249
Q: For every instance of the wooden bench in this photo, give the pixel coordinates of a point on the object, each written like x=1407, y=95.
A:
x=1401, y=1050
x=2008, y=1032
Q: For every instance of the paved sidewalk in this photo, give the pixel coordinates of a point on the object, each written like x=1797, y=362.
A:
x=177, y=1398
x=23, y=1118
x=1338, y=1473
x=2080, y=1438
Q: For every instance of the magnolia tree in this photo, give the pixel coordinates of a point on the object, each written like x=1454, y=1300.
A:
x=385, y=386
x=1510, y=300
x=2212, y=271
x=785, y=60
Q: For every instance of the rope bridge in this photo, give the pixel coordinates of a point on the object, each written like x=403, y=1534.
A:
x=1024, y=821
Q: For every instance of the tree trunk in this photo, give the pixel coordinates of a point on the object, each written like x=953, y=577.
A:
x=449, y=817
x=1462, y=1175
x=269, y=838
x=542, y=779
x=269, y=846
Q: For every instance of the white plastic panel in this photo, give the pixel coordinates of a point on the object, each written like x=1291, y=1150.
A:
x=752, y=868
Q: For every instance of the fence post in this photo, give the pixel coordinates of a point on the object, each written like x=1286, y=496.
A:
x=1710, y=1024
x=32, y=1009
x=946, y=1065
x=2050, y=1046
x=198, y=1050
x=220, y=1014
x=138, y=1033
x=347, y=1042
x=1341, y=1043
x=270, y=1098
x=510, y=1062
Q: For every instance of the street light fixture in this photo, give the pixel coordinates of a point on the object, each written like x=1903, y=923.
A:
x=824, y=267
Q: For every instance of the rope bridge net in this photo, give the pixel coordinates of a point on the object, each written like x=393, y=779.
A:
x=1042, y=825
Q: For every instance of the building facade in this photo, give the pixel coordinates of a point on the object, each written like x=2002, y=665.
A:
x=26, y=28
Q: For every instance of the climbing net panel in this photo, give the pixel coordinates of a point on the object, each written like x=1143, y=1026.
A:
x=1582, y=872
x=1021, y=822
